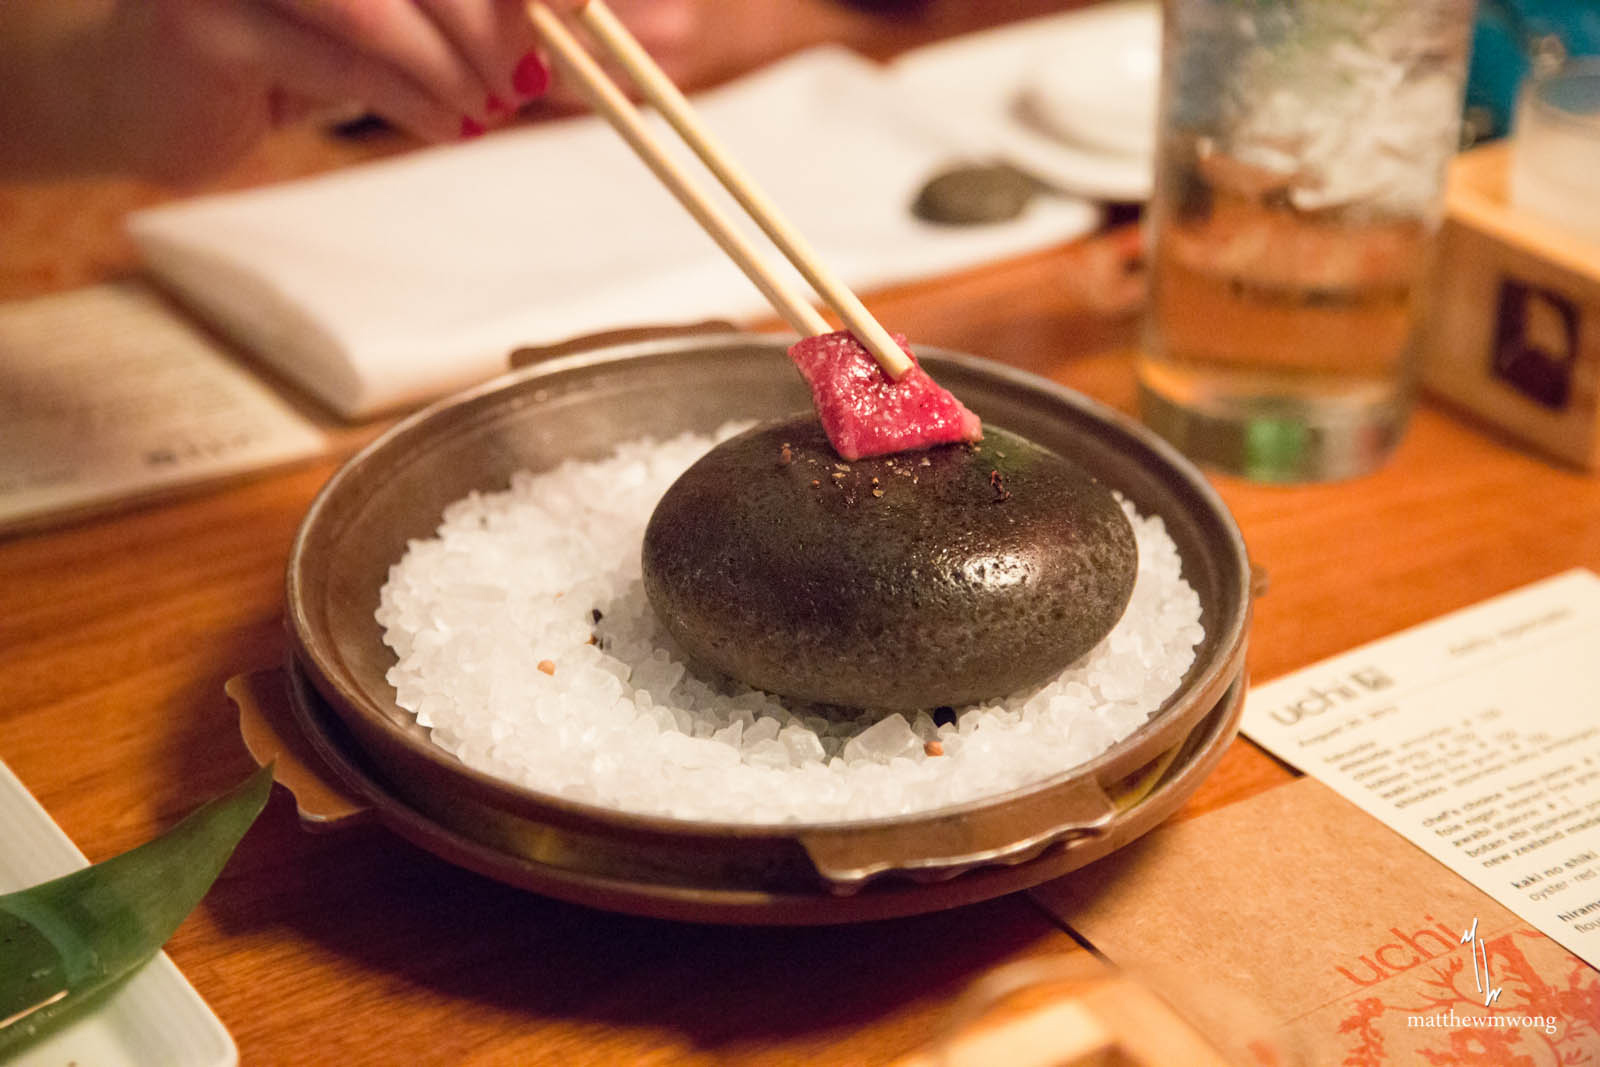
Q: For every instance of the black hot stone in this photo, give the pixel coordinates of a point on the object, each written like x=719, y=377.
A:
x=939, y=577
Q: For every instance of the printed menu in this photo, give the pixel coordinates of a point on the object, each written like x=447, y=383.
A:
x=1292, y=928
x=109, y=395
x=1477, y=737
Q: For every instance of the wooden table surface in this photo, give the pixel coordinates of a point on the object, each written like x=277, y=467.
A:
x=116, y=636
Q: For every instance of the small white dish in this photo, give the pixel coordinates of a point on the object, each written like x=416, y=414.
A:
x=156, y=1019
x=1070, y=98
x=1101, y=91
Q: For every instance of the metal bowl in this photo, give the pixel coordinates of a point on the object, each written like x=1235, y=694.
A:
x=579, y=406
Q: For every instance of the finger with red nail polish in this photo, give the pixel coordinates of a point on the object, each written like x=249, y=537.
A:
x=531, y=77
x=488, y=35
x=401, y=36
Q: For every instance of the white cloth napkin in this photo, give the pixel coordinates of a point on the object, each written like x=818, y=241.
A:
x=388, y=284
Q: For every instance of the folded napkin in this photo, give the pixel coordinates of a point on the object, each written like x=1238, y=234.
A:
x=387, y=284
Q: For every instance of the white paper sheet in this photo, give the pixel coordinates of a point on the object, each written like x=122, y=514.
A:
x=107, y=394
x=1477, y=736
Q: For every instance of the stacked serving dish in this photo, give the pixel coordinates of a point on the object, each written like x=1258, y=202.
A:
x=579, y=406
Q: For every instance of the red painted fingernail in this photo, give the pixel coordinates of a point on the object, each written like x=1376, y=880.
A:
x=531, y=78
x=470, y=127
x=495, y=106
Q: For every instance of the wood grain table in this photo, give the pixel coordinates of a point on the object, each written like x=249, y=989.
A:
x=116, y=636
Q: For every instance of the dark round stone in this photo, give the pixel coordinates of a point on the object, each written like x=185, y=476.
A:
x=974, y=193
x=939, y=577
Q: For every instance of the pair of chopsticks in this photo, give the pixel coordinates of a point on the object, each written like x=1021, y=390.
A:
x=613, y=105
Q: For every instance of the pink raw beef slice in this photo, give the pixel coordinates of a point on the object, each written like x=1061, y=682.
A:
x=866, y=413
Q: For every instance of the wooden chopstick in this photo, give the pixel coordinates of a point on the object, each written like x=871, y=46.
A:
x=609, y=102
x=676, y=109
x=657, y=88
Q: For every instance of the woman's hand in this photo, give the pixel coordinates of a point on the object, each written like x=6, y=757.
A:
x=178, y=90
x=214, y=75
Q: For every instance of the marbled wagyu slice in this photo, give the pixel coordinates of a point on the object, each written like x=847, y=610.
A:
x=865, y=412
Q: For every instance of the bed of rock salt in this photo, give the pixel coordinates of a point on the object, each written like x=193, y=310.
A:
x=527, y=646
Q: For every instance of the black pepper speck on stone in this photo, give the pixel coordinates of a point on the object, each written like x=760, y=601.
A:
x=931, y=594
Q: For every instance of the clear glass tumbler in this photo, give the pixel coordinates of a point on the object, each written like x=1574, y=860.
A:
x=1555, y=150
x=1300, y=166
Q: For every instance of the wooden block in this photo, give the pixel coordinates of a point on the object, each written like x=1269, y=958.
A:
x=1075, y=1012
x=1062, y=1034
x=1514, y=335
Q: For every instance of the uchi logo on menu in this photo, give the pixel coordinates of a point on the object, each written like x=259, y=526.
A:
x=1421, y=946
x=1329, y=695
x=1402, y=954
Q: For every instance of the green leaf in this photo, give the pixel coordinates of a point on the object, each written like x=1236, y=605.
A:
x=66, y=942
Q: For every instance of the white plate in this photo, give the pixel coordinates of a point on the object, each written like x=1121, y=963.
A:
x=156, y=1020
x=1071, y=98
